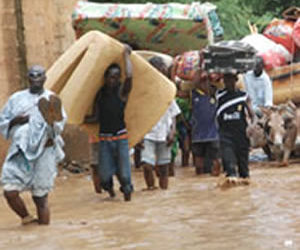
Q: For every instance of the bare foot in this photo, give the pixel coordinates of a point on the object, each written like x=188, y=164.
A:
x=150, y=188
x=283, y=164
x=29, y=220
x=245, y=181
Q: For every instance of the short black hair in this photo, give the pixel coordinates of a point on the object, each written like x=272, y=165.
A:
x=259, y=59
x=231, y=75
x=36, y=70
x=110, y=67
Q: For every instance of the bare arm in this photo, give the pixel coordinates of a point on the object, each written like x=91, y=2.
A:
x=171, y=135
x=127, y=86
x=201, y=82
x=93, y=118
x=249, y=109
x=19, y=120
x=268, y=93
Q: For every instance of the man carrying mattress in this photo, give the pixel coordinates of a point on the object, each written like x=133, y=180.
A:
x=109, y=110
x=33, y=119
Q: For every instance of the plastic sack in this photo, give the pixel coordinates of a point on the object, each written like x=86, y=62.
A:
x=274, y=55
x=280, y=31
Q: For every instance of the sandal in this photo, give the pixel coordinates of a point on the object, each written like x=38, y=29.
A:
x=55, y=108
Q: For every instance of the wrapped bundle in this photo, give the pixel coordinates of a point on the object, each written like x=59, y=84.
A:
x=229, y=57
x=186, y=65
x=274, y=55
x=171, y=28
x=280, y=31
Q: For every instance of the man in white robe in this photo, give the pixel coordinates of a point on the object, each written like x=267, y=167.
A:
x=33, y=119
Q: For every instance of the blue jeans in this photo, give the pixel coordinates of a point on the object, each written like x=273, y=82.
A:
x=114, y=159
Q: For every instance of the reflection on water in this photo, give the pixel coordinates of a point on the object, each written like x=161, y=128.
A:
x=193, y=214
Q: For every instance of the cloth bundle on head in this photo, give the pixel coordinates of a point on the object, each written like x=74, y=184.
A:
x=187, y=64
x=273, y=54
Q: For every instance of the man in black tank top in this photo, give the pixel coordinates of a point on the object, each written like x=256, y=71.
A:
x=109, y=111
x=233, y=106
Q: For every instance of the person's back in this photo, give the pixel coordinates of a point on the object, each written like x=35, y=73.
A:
x=203, y=117
x=205, y=138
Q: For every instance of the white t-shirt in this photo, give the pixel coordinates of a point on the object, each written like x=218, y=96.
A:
x=161, y=130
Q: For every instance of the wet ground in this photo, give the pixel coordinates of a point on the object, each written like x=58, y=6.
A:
x=193, y=214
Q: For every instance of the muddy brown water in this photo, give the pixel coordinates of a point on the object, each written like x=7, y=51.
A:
x=193, y=214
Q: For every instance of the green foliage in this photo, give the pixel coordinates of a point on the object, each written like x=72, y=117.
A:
x=142, y=1
x=235, y=14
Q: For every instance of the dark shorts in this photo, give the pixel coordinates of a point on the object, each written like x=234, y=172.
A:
x=206, y=149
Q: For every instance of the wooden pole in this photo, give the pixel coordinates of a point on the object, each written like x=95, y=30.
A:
x=21, y=45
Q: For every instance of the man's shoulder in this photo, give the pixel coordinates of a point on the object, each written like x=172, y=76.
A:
x=220, y=92
x=266, y=76
x=226, y=96
x=241, y=92
x=19, y=94
x=248, y=74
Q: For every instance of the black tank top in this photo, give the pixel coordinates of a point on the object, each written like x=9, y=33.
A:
x=111, y=111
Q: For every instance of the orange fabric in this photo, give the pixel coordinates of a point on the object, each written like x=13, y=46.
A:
x=93, y=139
x=113, y=138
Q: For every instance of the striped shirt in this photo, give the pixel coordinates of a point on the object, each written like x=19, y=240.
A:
x=231, y=113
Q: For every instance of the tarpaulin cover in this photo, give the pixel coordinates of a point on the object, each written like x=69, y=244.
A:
x=168, y=28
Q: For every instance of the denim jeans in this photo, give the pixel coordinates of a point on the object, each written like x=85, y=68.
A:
x=114, y=160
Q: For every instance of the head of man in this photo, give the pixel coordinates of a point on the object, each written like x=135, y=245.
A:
x=37, y=77
x=112, y=76
x=158, y=63
x=230, y=81
x=259, y=66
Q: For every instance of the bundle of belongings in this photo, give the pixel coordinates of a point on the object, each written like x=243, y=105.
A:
x=229, y=57
x=188, y=64
x=279, y=44
x=152, y=26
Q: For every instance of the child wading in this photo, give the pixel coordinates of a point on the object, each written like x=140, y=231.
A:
x=233, y=105
x=157, y=143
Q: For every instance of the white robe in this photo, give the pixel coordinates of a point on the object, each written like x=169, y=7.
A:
x=29, y=164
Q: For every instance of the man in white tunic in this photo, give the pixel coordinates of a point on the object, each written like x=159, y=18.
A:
x=33, y=119
x=259, y=87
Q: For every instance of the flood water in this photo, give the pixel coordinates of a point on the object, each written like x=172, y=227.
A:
x=193, y=214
